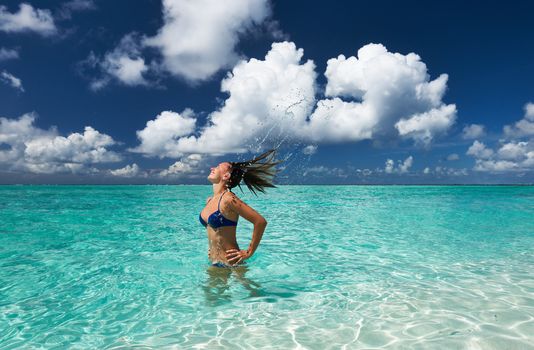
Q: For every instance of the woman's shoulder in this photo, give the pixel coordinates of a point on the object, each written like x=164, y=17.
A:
x=232, y=195
x=231, y=198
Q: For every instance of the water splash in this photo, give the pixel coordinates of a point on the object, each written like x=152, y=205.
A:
x=289, y=147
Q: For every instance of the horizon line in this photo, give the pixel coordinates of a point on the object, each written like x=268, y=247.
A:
x=279, y=185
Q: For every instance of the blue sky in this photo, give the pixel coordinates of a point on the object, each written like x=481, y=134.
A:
x=158, y=91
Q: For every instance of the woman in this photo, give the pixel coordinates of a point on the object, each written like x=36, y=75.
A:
x=223, y=209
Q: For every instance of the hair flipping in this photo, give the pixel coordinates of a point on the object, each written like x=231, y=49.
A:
x=254, y=174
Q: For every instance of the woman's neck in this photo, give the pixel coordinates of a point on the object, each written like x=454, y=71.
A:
x=219, y=189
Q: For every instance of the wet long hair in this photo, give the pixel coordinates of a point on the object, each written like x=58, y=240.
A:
x=256, y=175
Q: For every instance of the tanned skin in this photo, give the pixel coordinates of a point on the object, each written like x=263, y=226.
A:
x=223, y=246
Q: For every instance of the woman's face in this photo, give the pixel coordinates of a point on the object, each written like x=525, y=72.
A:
x=220, y=173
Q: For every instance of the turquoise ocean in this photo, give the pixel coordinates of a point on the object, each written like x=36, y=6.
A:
x=339, y=267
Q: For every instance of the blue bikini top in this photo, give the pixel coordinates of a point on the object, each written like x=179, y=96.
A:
x=217, y=219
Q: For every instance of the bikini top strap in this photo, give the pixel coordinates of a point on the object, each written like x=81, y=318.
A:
x=219, y=205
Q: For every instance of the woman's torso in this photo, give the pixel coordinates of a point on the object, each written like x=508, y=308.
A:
x=221, y=227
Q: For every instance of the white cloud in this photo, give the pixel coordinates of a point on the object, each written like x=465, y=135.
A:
x=495, y=165
x=126, y=69
x=424, y=126
x=479, y=150
x=198, y=38
x=390, y=86
x=8, y=54
x=266, y=97
x=89, y=147
x=315, y=169
x=390, y=165
x=364, y=172
x=402, y=168
x=26, y=147
x=453, y=156
x=524, y=127
x=406, y=165
x=13, y=135
x=310, y=149
x=511, y=156
x=11, y=80
x=273, y=99
x=68, y=8
x=446, y=171
x=124, y=64
x=513, y=150
x=27, y=19
x=321, y=170
x=185, y=166
x=272, y=96
x=128, y=171
x=473, y=131
x=159, y=137
x=335, y=120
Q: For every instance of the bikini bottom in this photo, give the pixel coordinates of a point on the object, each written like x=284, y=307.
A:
x=220, y=264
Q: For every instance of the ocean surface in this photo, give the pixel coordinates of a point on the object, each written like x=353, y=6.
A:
x=339, y=267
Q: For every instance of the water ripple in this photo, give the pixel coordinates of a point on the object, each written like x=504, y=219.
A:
x=339, y=267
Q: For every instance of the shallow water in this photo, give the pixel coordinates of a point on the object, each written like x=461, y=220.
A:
x=355, y=267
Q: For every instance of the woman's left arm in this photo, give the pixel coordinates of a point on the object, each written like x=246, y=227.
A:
x=254, y=217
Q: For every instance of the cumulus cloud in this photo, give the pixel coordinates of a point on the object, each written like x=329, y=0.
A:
x=479, y=150
x=390, y=165
x=198, y=38
x=185, y=166
x=266, y=97
x=128, y=171
x=402, y=167
x=124, y=64
x=11, y=80
x=473, y=131
x=493, y=165
x=89, y=147
x=514, y=152
x=8, y=54
x=160, y=136
x=310, y=149
x=388, y=87
x=510, y=156
x=443, y=171
x=335, y=120
x=27, y=147
x=424, y=126
x=525, y=126
x=27, y=19
x=406, y=165
x=274, y=99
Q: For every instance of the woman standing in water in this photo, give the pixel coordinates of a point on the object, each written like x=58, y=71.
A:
x=223, y=209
